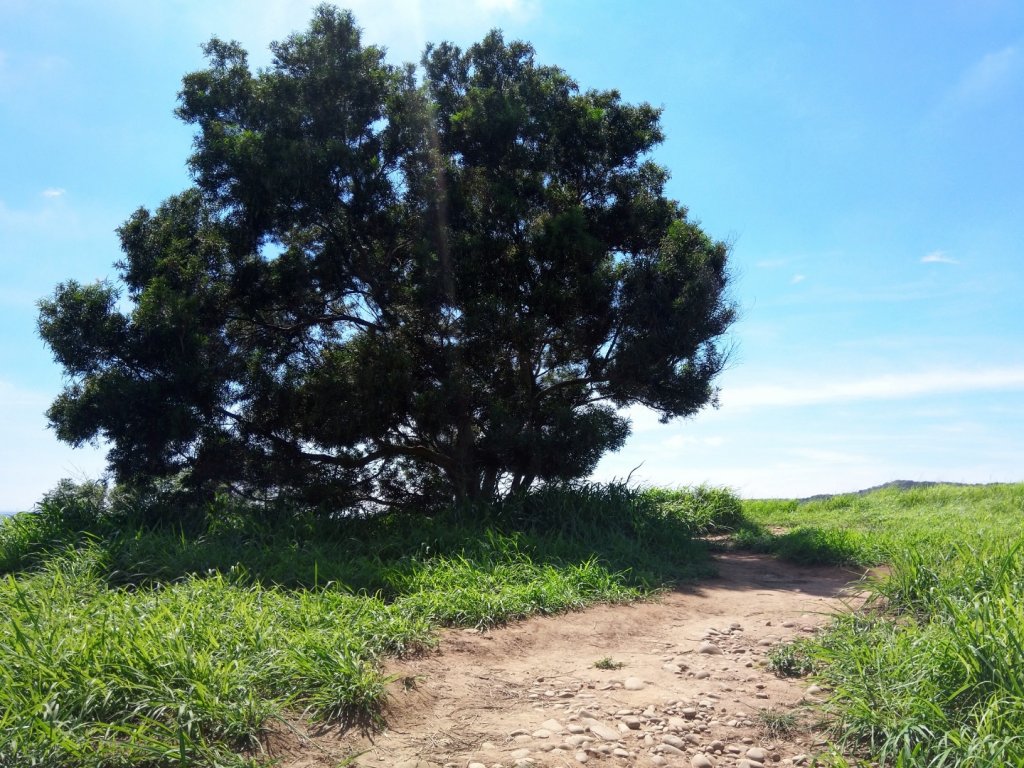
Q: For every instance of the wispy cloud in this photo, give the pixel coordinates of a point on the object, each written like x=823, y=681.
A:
x=797, y=279
x=887, y=387
x=34, y=462
x=771, y=263
x=23, y=73
x=938, y=257
x=988, y=79
x=988, y=75
x=54, y=192
x=401, y=26
x=679, y=440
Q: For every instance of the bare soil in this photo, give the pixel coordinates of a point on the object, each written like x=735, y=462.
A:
x=692, y=686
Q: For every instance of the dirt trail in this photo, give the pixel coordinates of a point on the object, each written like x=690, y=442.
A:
x=692, y=690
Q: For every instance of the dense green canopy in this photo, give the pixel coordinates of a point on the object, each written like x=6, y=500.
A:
x=393, y=283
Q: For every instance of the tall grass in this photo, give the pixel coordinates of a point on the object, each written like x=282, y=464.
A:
x=931, y=674
x=124, y=644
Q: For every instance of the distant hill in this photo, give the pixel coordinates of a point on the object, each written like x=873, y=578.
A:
x=903, y=485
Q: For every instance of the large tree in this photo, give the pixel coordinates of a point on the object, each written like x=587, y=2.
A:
x=389, y=283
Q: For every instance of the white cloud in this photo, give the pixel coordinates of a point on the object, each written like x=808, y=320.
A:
x=771, y=263
x=32, y=460
x=54, y=192
x=938, y=257
x=52, y=219
x=887, y=387
x=797, y=279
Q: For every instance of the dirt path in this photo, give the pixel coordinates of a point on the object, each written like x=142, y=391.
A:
x=692, y=690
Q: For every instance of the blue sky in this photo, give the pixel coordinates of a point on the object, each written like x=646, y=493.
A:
x=865, y=160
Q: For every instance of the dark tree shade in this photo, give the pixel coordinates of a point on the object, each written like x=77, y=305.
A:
x=388, y=284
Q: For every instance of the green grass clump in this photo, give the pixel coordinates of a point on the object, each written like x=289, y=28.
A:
x=776, y=724
x=930, y=675
x=127, y=643
x=184, y=672
x=935, y=678
x=791, y=659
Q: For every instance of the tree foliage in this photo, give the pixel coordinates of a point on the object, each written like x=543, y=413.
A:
x=390, y=283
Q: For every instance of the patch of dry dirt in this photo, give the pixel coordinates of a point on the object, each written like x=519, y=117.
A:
x=692, y=687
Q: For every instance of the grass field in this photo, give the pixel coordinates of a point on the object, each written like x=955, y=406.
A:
x=931, y=675
x=124, y=645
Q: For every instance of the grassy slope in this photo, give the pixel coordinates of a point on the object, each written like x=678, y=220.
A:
x=931, y=676
x=870, y=529
x=131, y=646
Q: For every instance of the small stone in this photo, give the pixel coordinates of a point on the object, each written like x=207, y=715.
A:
x=708, y=647
x=633, y=684
x=658, y=760
x=581, y=757
x=476, y=765
x=703, y=675
x=620, y=752
x=574, y=728
x=798, y=759
x=744, y=763
x=757, y=754
x=813, y=689
x=519, y=754
x=604, y=732
x=675, y=741
x=519, y=732
x=700, y=760
x=633, y=722
x=688, y=712
x=551, y=725
x=668, y=749
x=542, y=733
x=675, y=669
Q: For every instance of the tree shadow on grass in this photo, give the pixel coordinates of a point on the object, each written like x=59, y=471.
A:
x=640, y=540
